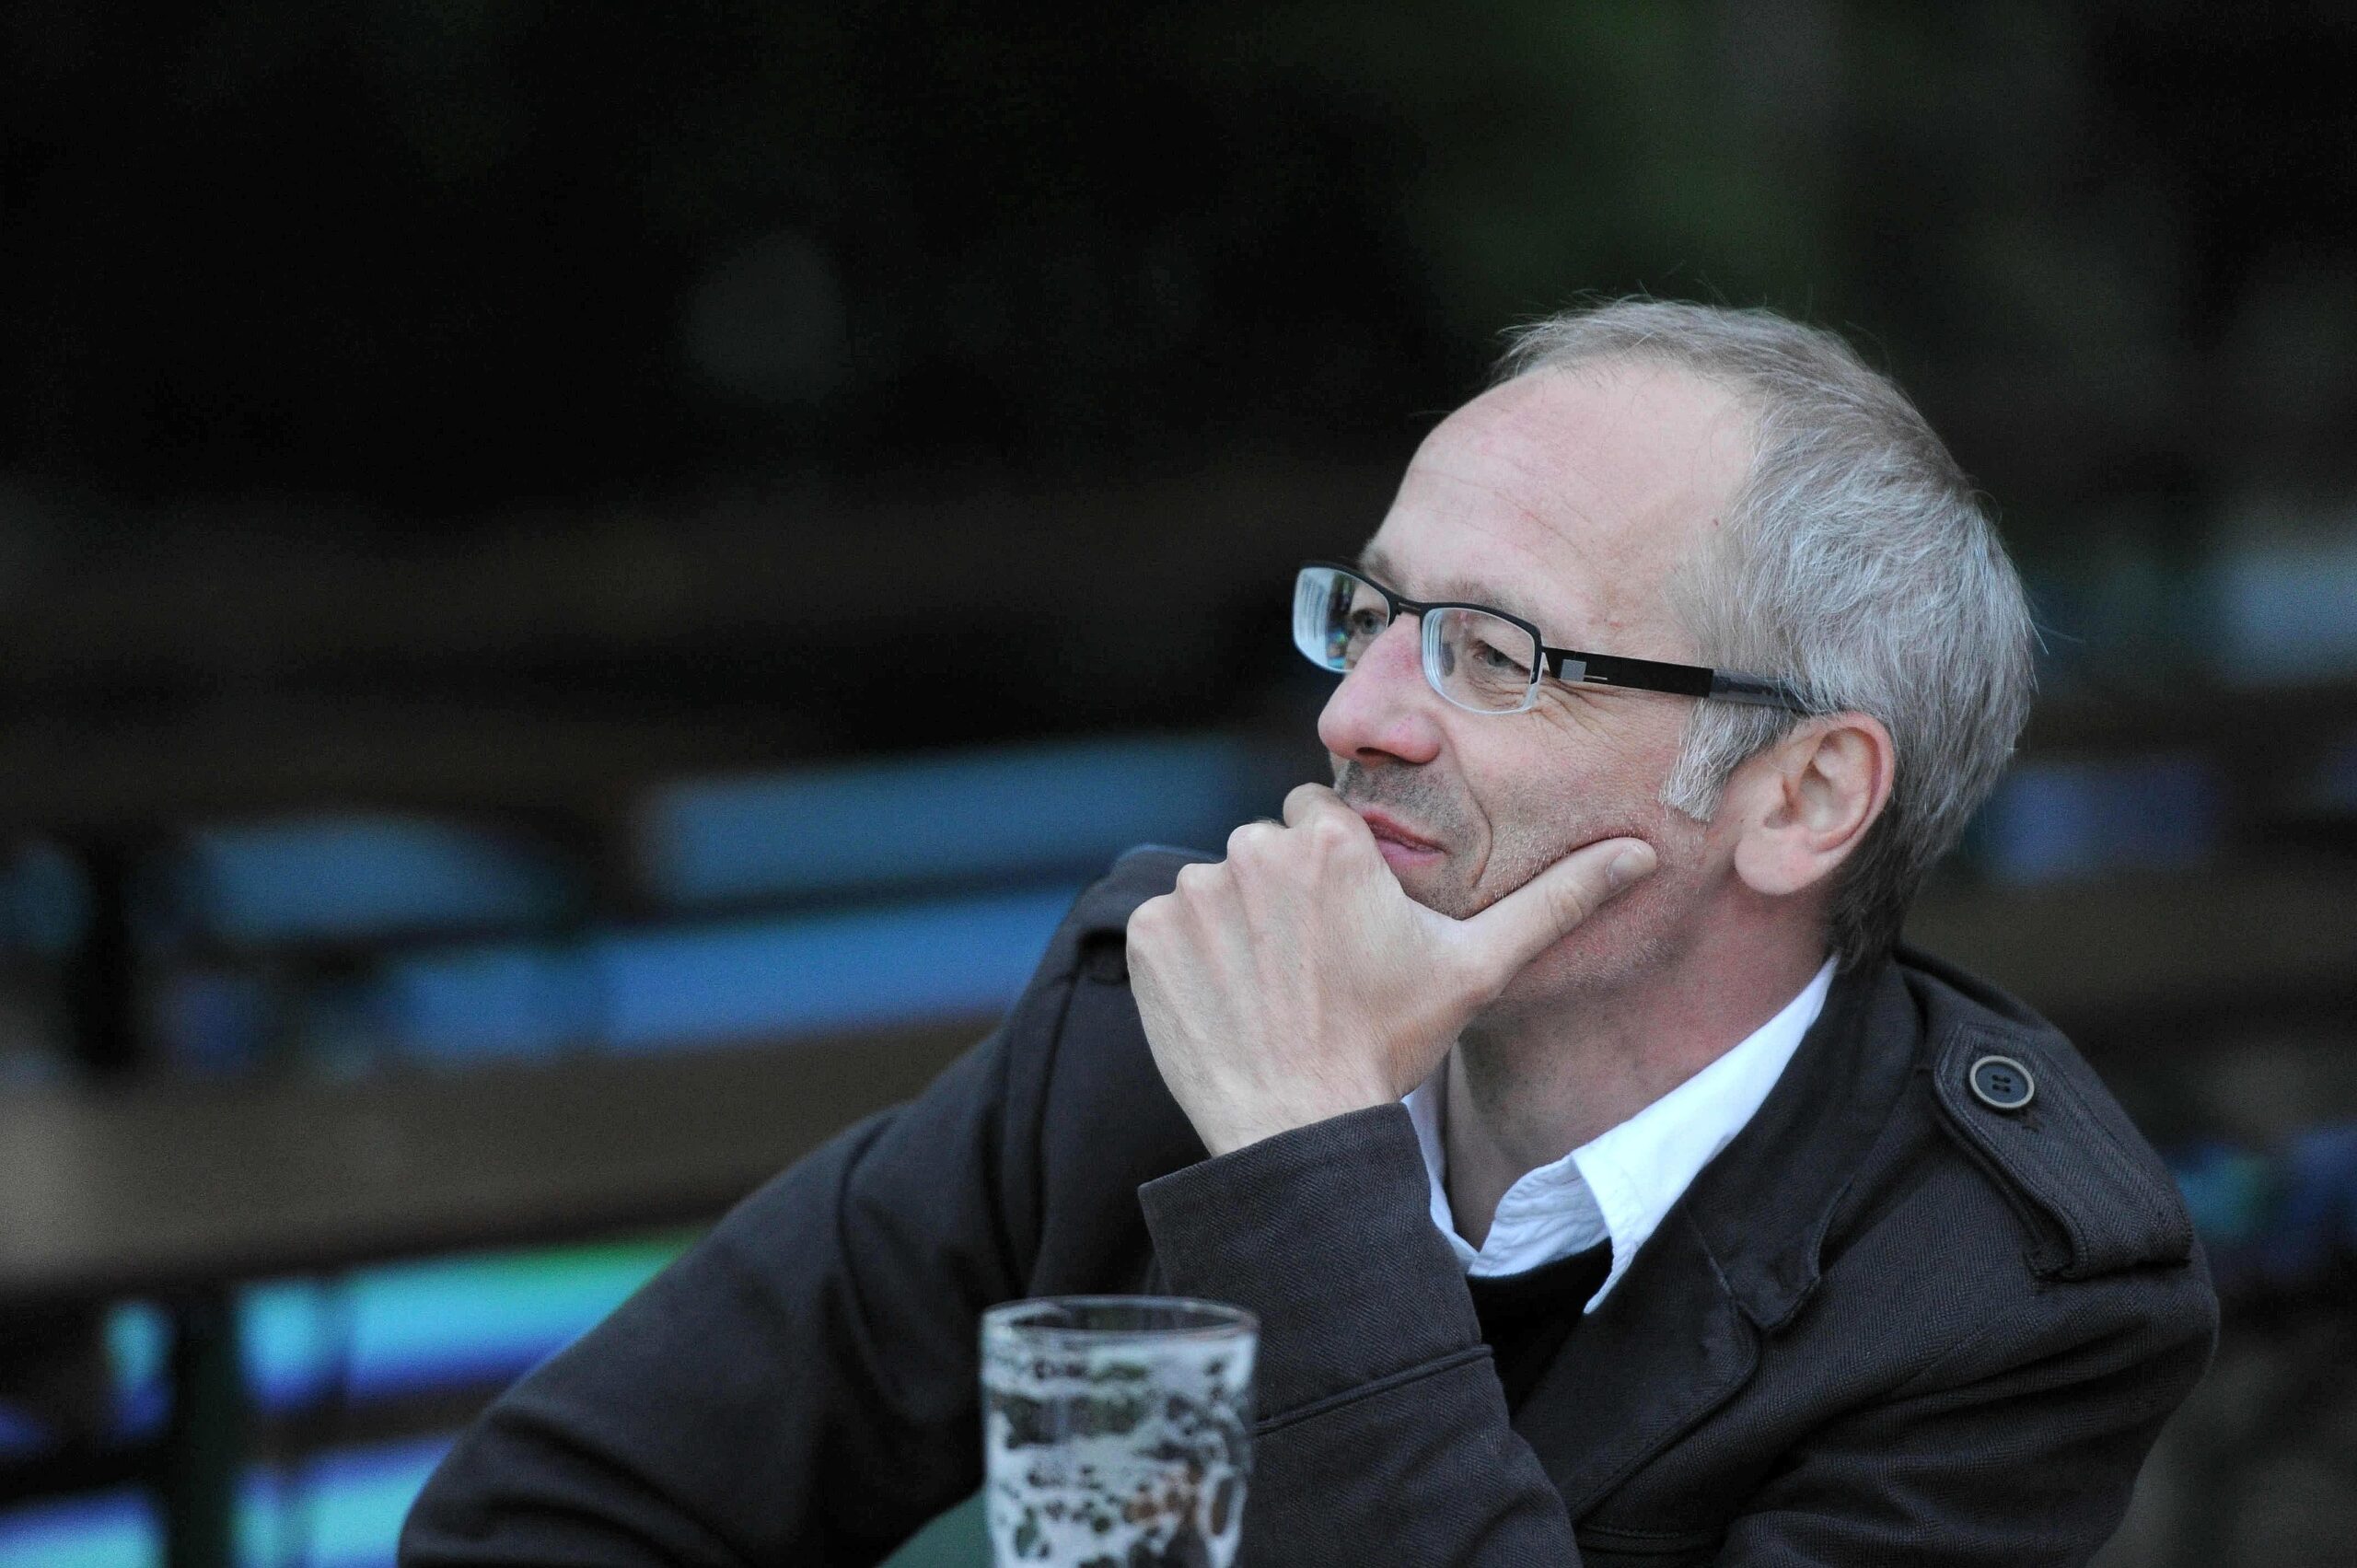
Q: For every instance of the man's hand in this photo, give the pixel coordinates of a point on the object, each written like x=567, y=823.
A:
x=1294, y=980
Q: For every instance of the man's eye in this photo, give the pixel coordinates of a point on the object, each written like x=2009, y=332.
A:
x=1366, y=623
x=1498, y=661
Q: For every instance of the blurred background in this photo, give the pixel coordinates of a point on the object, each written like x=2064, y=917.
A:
x=579, y=586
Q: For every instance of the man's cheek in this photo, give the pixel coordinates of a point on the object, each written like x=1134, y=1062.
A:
x=1511, y=862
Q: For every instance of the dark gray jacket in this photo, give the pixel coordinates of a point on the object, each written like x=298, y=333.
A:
x=1886, y=1324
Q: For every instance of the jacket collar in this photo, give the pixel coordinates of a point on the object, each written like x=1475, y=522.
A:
x=1763, y=1207
x=1738, y=1254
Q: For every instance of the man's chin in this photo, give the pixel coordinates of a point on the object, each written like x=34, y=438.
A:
x=1432, y=884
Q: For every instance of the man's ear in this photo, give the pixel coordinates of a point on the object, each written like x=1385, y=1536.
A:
x=1806, y=803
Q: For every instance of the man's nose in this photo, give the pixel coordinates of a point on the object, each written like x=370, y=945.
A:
x=1383, y=710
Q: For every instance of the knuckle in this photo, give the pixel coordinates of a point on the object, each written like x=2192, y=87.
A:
x=1304, y=799
x=1250, y=839
x=1330, y=830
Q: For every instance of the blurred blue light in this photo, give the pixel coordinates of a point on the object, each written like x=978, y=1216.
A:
x=2316, y=1224
x=743, y=980
x=447, y=1323
x=44, y=900
x=210, y=1023
x=2288, y=612
x=139, y=1341
x=98, y=1530
x=340, y=1509
x=20, y=1433
x=836, y=972
x=2229, y=1190
x=2057, y=819
x=351, y=876
x=1014, y=813
x=493, y=1000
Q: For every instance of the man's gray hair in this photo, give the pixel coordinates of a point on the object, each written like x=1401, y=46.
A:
x=1858, y=562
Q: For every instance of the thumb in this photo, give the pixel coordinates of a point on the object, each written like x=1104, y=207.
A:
x=1548, y=907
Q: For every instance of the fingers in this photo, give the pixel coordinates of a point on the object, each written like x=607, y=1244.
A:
x=1548, y=907
x=1319, y=815
x=1305, y=802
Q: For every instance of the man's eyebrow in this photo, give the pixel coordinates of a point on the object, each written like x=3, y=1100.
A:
x=1470, y=592
x=1464, y=590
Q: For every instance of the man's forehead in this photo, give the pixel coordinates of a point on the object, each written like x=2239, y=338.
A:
x=1565, y=497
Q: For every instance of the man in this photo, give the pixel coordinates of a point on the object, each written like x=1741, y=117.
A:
x=1610, y=1187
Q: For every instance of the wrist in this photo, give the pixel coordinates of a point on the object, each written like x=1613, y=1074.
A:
x=1241, y=1126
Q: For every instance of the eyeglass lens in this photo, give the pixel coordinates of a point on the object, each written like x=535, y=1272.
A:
x=1476, y=660
x=1336, y=616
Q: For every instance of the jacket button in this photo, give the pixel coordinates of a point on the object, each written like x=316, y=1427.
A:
x=2001, y=1083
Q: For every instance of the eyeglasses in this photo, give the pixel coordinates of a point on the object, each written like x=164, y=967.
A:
x=1484, y=660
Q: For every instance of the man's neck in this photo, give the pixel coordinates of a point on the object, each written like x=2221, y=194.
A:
x=1525, y=1091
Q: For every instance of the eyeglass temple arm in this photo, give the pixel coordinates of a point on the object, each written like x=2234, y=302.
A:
x=1684, y=679
x=1759, y=690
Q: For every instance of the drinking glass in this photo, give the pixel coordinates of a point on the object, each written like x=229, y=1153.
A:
x=1117, y=1430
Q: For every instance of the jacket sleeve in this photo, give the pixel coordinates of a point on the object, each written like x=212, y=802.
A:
x=782, y=1392
x=1382, y=1434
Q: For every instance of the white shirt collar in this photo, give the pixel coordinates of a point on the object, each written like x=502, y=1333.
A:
x=1624, y=1180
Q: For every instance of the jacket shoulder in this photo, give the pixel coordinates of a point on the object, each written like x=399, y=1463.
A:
x=1090, y=939
x=2030, y=1112
x=1084, y=1067
x=1145, y=871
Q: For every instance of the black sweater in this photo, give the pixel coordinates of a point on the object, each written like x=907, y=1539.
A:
x=1525, y=1317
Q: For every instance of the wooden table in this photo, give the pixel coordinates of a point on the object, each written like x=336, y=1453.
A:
x=178, y=1193
x=159, y=1187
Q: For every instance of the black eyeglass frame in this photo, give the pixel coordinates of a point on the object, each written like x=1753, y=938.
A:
x=1579, y=668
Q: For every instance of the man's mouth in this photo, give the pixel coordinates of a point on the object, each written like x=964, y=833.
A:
x=1402, y=848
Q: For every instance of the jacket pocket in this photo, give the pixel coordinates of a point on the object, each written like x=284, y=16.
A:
x=1601, y=1546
